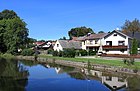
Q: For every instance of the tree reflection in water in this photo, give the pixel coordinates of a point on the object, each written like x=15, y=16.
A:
x=13, y=76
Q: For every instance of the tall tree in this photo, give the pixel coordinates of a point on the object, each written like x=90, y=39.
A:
x=13, y=32
x=131, y=26
x=79, y=31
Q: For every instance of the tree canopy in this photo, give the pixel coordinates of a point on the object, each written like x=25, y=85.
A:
x=13, y=32
x=79, y=31
x=131, y=26
x=101, y=32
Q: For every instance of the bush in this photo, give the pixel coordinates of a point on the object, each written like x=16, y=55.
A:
x=134, y=49
x=83, y=52
x=69, y=52
x=55, y=53
x=27, y=52
x=129, y=61
x=50, y=51
x=60, y=53
x=91, y=53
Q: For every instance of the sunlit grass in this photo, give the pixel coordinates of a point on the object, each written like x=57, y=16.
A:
x=117, y=62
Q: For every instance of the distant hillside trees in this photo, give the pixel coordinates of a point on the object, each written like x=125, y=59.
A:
x=101, y=32
x=79, y=31
x=13, y=32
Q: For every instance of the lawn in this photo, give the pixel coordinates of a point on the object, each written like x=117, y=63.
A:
x=116, y=62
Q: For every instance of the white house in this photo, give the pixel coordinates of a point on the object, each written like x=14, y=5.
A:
x=92, y=41
x=115, y=42
x=60, y=45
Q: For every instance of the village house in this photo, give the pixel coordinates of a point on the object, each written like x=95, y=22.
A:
x=60, y=45
x=115, y=42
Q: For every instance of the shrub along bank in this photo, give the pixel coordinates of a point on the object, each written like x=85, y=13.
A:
x=71, y=53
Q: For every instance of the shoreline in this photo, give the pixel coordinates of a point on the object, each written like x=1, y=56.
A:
x=82, y=65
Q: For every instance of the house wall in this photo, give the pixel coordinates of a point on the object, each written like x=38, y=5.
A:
x=56, y=47
x=115, y=39
x=90, y=43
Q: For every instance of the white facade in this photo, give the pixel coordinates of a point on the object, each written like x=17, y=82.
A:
x=112, y=43
x=57, y=46
x=117, y=41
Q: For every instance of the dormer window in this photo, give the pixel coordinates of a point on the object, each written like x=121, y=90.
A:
x=115, y=34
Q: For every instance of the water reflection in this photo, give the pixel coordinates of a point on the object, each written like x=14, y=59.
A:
x=31, y=76
x=13, y=76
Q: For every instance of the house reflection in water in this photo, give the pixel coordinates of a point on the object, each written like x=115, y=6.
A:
x=114, y=83
x=111, y=82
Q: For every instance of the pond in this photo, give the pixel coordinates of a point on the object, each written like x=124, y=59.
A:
x=25, y=75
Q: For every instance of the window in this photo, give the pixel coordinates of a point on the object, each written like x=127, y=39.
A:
x=106, y=50
x=96, y=41
x=84, y=42
x=122, y=51
x=121, y=43
x=57, y=45
x=108, y=78
x=109, y=43
x=115, y=34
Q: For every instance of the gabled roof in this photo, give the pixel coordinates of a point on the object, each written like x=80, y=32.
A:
x=96, y=36
x=92, y=36
x=119, y=32
x=70, y=44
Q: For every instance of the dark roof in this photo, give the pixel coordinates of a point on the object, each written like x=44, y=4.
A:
x=70, y=44
x=92, y=36
x=96, y=36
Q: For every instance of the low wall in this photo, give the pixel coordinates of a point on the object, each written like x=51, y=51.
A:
x=82, y=65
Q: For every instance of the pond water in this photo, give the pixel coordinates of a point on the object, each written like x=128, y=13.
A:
x=32, y=76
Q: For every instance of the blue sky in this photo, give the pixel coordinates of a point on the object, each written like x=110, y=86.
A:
x=52, y=19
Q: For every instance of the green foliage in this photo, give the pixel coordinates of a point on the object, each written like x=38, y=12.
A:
x=13, y=32
x=55, y=53
x=69, y=53
x=79, y=31
x=64, y=38
x=6, y=56
x=91, y=53
x=129, y=61
x=83, y=52
x=60, y=53
x=50, y=51
x=27, y=52
x=134, y=49
x=100, y=32
x=131, y=26
x=8, y=14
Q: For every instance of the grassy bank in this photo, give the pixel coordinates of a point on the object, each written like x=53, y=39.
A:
x=7, y=56
x=116, y=62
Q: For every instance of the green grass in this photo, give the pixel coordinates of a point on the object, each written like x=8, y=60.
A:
x=116, y=62
x=7, y=56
